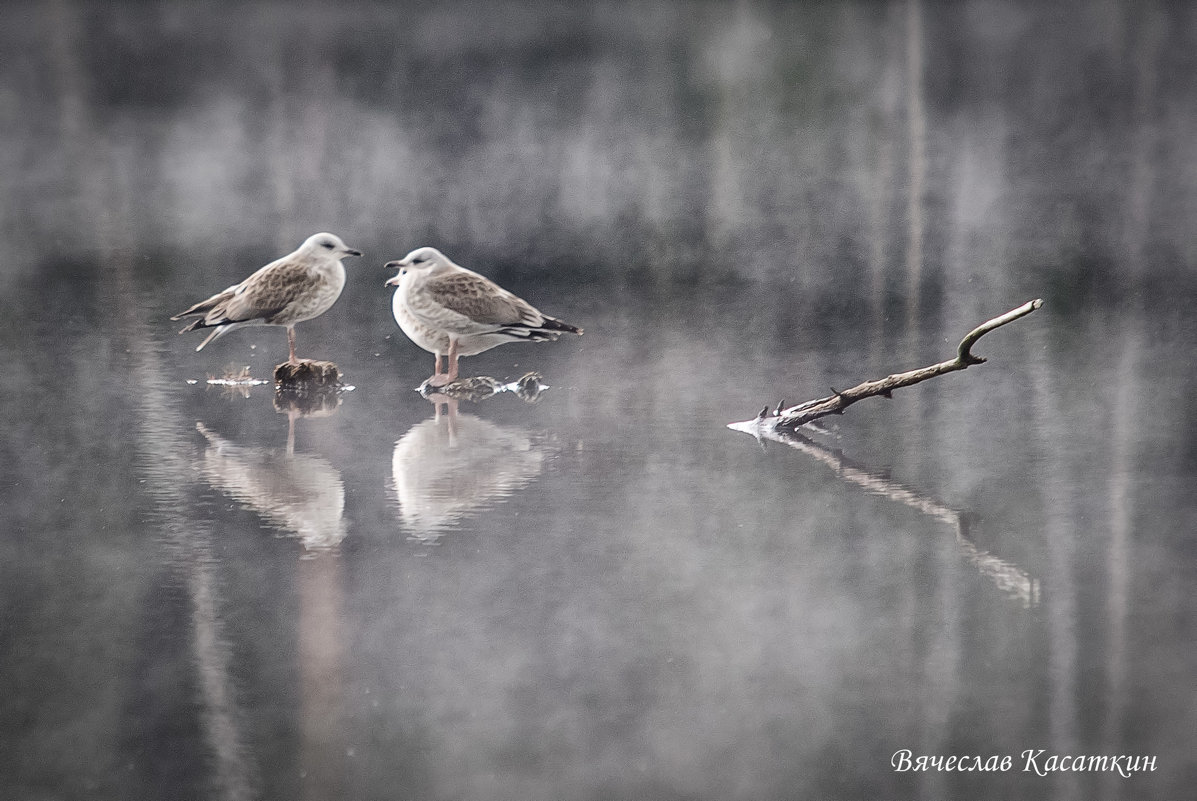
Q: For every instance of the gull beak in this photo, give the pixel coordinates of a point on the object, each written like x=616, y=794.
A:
x=393, y=265
x=392, y=281
x=352, y=252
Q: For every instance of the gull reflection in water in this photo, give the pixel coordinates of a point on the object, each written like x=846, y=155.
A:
x=297, y=493
x=456, y=464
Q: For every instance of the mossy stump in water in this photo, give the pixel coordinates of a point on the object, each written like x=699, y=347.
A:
x=306, y=374
x=307, y=387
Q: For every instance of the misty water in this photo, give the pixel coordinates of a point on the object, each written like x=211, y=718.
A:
x=606, y=593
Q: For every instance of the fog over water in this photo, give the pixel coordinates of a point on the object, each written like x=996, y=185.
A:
x=605, y=593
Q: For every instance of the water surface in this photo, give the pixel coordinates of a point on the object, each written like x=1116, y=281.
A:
x=606, y=593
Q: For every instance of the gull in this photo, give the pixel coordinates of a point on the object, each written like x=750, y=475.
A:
x=297, y=287
x=450, y=311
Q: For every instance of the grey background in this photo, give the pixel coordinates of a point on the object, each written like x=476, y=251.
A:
x=606, y=594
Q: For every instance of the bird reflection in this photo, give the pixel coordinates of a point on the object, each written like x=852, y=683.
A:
x=455, y=464
x=300, y=494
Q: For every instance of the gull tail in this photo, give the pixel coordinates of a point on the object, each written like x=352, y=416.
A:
x=209, y=313
x=217, y=332
x=553, y=324
x=549, y=330
x=205, y=306
x=203, y=322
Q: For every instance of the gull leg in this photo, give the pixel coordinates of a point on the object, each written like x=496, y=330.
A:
x=440, y=379
x=452, y=359
x=291, y=342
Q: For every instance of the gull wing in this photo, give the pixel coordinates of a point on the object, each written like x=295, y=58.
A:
x=466, y=302
x=268, y=291
x=259, y=297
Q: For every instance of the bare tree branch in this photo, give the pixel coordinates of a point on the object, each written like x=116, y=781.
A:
x=791, y=418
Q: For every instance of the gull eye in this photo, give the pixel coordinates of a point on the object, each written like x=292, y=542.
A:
x=328, y=245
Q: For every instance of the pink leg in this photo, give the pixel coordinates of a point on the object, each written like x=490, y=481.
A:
x=452, y=359
x=291, y=342
x=440, y=379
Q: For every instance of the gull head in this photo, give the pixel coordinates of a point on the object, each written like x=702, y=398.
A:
x=420, y=259
x=328, y=246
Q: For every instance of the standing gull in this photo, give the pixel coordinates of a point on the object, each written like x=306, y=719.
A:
x=297, y=287
x=451, y=311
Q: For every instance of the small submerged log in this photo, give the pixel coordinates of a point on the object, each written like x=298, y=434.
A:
x=478, y=388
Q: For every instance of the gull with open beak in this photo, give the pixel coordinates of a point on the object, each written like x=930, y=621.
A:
x=452, y=312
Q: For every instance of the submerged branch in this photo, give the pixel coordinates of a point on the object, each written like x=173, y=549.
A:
x=478, y=388
x=789, y=419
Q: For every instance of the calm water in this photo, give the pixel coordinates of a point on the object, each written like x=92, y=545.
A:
x=606, y=593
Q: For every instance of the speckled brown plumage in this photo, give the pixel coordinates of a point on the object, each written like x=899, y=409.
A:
x=297, y=287
x=479, y=300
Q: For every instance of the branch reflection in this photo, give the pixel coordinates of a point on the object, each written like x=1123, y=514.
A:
x=1005, y=575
